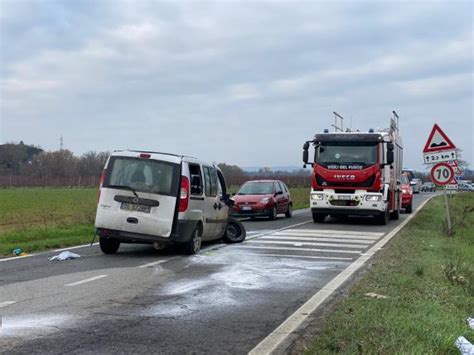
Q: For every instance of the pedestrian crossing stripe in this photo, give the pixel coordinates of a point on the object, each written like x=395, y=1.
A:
x=246, y=246
x=331, y=231
x=318, y=239
x=314, y=244
x=322, y=235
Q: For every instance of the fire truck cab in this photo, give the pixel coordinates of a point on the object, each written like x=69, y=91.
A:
x=356, y=173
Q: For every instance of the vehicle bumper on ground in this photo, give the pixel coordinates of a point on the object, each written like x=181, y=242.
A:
x=183, y=233
x=359, y=203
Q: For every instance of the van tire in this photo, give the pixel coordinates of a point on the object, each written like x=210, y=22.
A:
x=234, y=232
x=193, y=245
x=109, y=245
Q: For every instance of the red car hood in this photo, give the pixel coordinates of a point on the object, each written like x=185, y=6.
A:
x=249, y=198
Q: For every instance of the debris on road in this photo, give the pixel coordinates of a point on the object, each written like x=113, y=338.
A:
x=65, y=255
x=376, y=295
x=464, y=346
x=18, y=252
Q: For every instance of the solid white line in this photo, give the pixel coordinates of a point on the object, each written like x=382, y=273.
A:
x=324, y=235
x=76, y=247
x=154, y=263
x=300, y=249
x=18, y=257
x=302, y=244
x=318, y=239
x=298, y=256
x=275, y=338
x=86, y=280
x=6, y=303
x=338, y=232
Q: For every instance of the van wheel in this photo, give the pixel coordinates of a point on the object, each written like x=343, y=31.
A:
x=273, y=214
x=193, y=245
x=109, y=245
x=235, y=231
x=318, y=218
x=289, y=213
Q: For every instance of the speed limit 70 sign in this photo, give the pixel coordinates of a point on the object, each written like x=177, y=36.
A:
x=442, y=174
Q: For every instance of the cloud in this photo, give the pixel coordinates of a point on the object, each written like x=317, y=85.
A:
x=170, y=76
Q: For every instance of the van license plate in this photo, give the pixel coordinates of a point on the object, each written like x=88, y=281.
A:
x=134, y=207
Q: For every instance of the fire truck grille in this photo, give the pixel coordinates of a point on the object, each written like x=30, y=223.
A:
x=367, y=183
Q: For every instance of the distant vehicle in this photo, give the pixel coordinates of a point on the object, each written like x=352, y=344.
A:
x=428, y=187
x=356, y=173
x=407, y=194
x=464, y=186
x=415, y=185
x=262, y=198
x=158, y=198
x=410, y=173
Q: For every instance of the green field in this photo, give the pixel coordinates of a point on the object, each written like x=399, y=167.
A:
x=428, y=279
x=42, y=218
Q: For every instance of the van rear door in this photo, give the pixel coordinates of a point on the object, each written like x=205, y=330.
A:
x=139, y=195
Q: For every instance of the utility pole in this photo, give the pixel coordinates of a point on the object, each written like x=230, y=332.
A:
x=61, y=143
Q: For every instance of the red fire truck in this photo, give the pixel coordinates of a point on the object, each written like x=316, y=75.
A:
x=356, y=173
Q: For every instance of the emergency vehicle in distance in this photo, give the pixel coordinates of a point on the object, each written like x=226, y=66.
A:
x=356, y=173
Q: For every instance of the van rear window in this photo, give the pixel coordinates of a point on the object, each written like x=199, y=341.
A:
x=143, y=175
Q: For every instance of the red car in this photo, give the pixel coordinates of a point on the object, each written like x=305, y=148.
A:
x=407, y=194
x=262, y=198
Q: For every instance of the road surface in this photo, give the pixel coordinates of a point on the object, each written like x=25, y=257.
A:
x=224, y=300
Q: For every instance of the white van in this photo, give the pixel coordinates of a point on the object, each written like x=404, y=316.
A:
x=159, y=198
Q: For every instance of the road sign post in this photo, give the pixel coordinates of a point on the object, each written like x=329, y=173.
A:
x=440, y=150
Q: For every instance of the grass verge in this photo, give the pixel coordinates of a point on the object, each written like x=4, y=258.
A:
x=429, y=281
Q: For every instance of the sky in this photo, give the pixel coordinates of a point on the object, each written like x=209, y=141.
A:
x=239, y=82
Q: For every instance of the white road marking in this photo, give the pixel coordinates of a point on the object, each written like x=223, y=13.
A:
x=318, y=239
x=355, y=246
x=338, y=232
x=323, y=235
x=76, y=247
x=280, y=334
x=299, y=249
x=86, y=280
x=6, y=303
x=154, y=263
x=298, y=256
x=279, y=230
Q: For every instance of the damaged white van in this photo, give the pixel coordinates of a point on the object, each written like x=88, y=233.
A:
x=159, y=198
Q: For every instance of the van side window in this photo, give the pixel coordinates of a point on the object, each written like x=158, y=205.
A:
x=210, y=178
x=196, y=180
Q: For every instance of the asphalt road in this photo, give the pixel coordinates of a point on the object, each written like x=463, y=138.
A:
x=224, y=300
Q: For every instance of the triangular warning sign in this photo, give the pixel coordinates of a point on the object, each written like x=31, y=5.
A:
x=453, y=181
x=455, y=166
x=438, y=140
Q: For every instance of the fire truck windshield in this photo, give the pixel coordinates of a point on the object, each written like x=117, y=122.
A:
x=346, y=155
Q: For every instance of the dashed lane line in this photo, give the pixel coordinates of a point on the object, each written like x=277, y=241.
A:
x=86, y=280
x=6, y=303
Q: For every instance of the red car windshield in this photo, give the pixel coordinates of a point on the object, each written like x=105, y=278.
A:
x=257, y=188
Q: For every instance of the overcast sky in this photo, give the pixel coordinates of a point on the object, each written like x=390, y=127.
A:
x=235, y=82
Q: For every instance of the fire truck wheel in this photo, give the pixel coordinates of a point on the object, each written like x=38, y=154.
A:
x=383, y=218
x=318, y=218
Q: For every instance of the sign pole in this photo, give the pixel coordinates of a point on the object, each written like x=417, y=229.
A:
x=448, y=216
